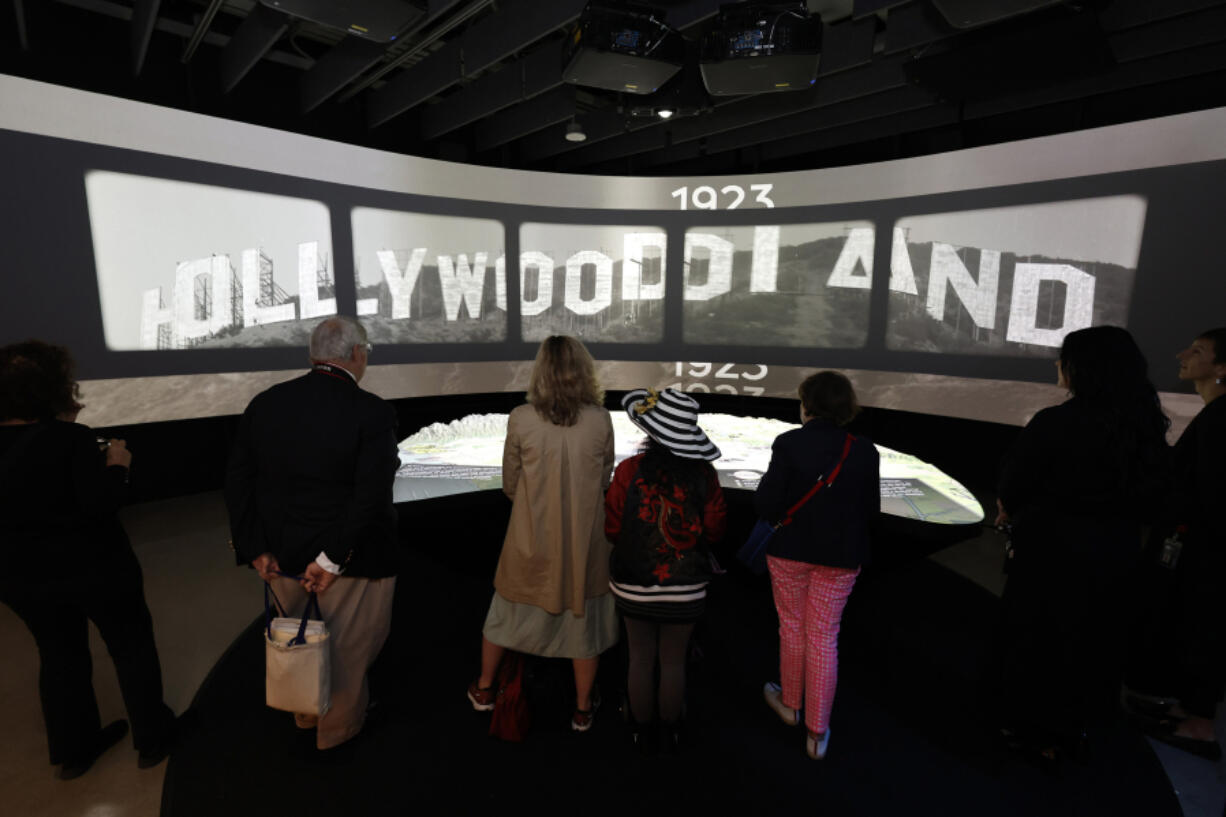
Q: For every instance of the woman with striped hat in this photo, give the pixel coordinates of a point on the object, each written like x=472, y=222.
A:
x=663, y=510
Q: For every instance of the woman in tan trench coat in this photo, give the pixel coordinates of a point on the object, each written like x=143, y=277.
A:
x=551, y=588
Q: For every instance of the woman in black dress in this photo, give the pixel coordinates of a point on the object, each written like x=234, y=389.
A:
x=67, y=560
x=1189, y=660
x=1082, y=479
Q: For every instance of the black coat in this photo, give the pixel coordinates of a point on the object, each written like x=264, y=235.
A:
x=57, y=508
x=311, y=471
x=834, y=527
x=1200, y=476
x=1061, y=488
x=1077, y=539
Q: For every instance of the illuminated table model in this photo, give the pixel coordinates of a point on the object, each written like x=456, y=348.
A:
x=466, y=455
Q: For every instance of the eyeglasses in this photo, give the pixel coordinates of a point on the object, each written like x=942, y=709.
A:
x=369, y=347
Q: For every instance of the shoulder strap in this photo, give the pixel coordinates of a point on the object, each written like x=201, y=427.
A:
x=822, y=482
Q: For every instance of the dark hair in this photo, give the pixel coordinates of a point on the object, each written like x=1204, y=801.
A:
x=829, y=396
x=37, y=381
x=662, y=469
x=1108, y=375
x=1218, y=338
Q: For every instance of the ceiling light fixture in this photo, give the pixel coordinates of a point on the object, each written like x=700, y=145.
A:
x=574, y=132
x=665, y=113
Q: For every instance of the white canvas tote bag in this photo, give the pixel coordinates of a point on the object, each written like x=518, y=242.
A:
x=297, y=660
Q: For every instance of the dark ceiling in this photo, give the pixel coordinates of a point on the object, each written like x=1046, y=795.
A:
x=480, y=81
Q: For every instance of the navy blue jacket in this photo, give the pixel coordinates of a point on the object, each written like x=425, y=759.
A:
x=833, y=528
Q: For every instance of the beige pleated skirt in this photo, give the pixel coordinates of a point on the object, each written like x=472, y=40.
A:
x=532, y=630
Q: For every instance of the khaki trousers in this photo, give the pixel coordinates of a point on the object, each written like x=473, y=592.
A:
x=359, y=616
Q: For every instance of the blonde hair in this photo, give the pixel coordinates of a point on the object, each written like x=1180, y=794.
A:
x=563, y=380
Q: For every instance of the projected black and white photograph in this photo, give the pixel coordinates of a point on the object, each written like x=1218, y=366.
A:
x=602, y=284
x=790, y=285
x=429, y=279
x=1012, y=280
x=184, y=266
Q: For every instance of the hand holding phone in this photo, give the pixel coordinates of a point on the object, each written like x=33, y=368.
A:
x=117, y=453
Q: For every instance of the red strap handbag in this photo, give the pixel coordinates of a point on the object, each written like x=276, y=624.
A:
x=512, y=718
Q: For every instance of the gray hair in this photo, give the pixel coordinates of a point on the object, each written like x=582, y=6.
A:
x=335, y=337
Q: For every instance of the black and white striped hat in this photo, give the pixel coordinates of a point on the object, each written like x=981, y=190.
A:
x=670, y=417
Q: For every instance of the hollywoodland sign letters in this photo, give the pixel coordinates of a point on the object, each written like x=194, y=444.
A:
x=1044, y=299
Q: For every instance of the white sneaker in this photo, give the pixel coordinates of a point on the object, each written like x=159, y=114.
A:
x=773, y=694
x=816, y=747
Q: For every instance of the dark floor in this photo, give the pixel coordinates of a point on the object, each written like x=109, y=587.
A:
x=906, y=736
x=904, y=740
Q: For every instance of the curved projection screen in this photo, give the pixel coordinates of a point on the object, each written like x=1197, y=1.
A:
x=184, y=259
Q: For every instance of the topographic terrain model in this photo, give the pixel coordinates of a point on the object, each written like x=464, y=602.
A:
x=466, y=455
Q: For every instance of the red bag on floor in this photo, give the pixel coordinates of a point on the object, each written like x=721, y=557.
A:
x=512, y=718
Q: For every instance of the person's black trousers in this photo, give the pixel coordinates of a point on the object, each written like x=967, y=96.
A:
x=1178, y=649
x=1200, y=630
x=57, y=615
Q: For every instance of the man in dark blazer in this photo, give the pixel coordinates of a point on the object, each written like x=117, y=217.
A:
x=309, y=491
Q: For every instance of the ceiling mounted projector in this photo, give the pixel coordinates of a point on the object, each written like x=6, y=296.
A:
x=757, y=48
x=378, y=20
x=625, y=48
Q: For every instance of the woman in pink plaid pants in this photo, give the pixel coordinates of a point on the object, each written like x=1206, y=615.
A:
x=815, y=558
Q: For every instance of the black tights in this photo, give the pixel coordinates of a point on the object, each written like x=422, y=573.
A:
x=647, y=640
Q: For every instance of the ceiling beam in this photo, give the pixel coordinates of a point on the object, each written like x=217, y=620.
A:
x=540, y=112
x=516, y=25
x=1204, y=59
x=347, y=61
x=437, y=8
x=862, y=9
x=23, y=35
x=846, y=45
x=202, y=28
x=838, y=131
x=183, y=30
x=1121, y=14
x=799, y=128
x=857, y=109
x=1176, y=34
x=913, y=26
x=935, y=116
x=538, y=71
x=354, y=56
x=144, y=17
x=254, y=38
